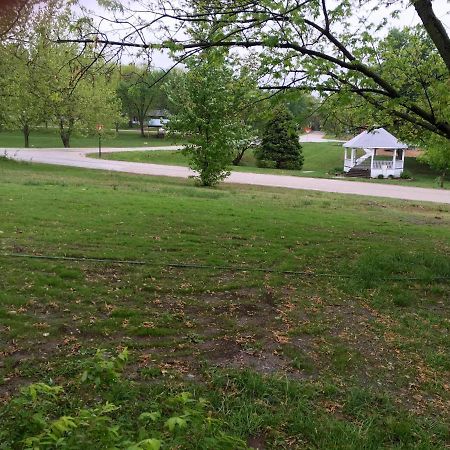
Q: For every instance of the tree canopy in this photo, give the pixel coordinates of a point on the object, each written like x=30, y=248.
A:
x=311, y=45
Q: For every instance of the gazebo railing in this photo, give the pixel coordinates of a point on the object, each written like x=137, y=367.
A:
x=380, y=164
x=389, y=165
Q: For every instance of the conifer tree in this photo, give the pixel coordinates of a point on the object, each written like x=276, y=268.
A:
x=280, y=142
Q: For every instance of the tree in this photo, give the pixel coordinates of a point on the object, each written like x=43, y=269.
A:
x=437, y=156
x=309, y=45
x=49, y=82
x=23, y=54
x=79, y=102
x=280, y=142
x=207, y=96
x=140, y=90
x=26, y=83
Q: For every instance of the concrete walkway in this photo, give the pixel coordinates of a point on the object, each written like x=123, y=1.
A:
x=77, y=158
x=316, y=136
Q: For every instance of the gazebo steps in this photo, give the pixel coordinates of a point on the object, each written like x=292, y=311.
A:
x=358, y=173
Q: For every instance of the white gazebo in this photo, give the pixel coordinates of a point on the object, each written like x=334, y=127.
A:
x=388, y=162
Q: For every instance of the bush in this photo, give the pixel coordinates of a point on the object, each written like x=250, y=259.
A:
x=280, y=142
x=380, y=177
x=405, y=175
x=265, y=164
x=336, y=171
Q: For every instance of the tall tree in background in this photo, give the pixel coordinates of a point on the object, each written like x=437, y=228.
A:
x=54, y=83
x=280, y=143
x=141, y=90
x=80, y=96
x=23, y=58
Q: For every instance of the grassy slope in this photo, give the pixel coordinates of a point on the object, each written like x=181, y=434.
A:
x=50, y=138
x=319, y=160
x=290, y=361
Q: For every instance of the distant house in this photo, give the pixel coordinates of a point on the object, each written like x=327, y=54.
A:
x=157, y=120
x=382, y=155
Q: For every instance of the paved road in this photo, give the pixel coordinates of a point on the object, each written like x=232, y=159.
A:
x=78, y=158
x=316, y=136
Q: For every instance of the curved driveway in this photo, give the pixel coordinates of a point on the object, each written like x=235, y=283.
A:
x=78, y=158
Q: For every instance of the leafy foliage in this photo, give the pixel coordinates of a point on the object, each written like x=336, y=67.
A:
x=139, y=90
x=280, y=142
x=104, y=370
x=437, y=155
x=50, y=417
x=210, y=96
x=54, y=83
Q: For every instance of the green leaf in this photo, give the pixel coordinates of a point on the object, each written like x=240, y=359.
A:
x=146, y=444
x=154, y=416
x=174, y=422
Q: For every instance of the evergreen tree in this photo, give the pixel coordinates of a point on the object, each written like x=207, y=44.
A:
x=280, y=142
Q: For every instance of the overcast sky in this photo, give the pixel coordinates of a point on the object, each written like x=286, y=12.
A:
x=408, y=17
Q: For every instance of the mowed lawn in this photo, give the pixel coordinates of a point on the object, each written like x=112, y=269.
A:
x=50, y=138
x=321, y=160
x=348, y=349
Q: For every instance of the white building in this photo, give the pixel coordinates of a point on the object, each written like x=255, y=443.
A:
x=374, y=153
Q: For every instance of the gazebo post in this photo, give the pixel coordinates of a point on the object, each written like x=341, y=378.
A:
x=353, y=156
x=394, y=159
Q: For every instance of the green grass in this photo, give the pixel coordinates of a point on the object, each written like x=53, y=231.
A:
x=350, y=355
x=320, y=159
x=50, y=139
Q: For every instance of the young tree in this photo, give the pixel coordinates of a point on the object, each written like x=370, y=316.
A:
x=280, y=142
x=437, y=156
x=207, y=96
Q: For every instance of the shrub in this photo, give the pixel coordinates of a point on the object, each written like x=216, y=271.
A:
x=48, y=417
x=336, y=171
x=265, y=164
x=380, y=177
x=280, y=142
x=405, y=175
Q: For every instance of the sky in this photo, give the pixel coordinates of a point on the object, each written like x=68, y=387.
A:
x=408, y=17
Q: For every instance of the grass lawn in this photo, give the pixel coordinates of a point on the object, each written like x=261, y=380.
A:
x=320, y=158
x=50, y=139
x=354, y=353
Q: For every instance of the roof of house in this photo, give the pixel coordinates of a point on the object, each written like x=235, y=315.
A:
x=378, y=138
x=158, y=113
x=157, y=122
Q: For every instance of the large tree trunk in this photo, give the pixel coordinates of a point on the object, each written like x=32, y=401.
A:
x=435, y=28
x=26, y=135
x=141, y=123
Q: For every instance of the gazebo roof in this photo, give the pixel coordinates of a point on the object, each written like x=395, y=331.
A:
x=378, y=138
